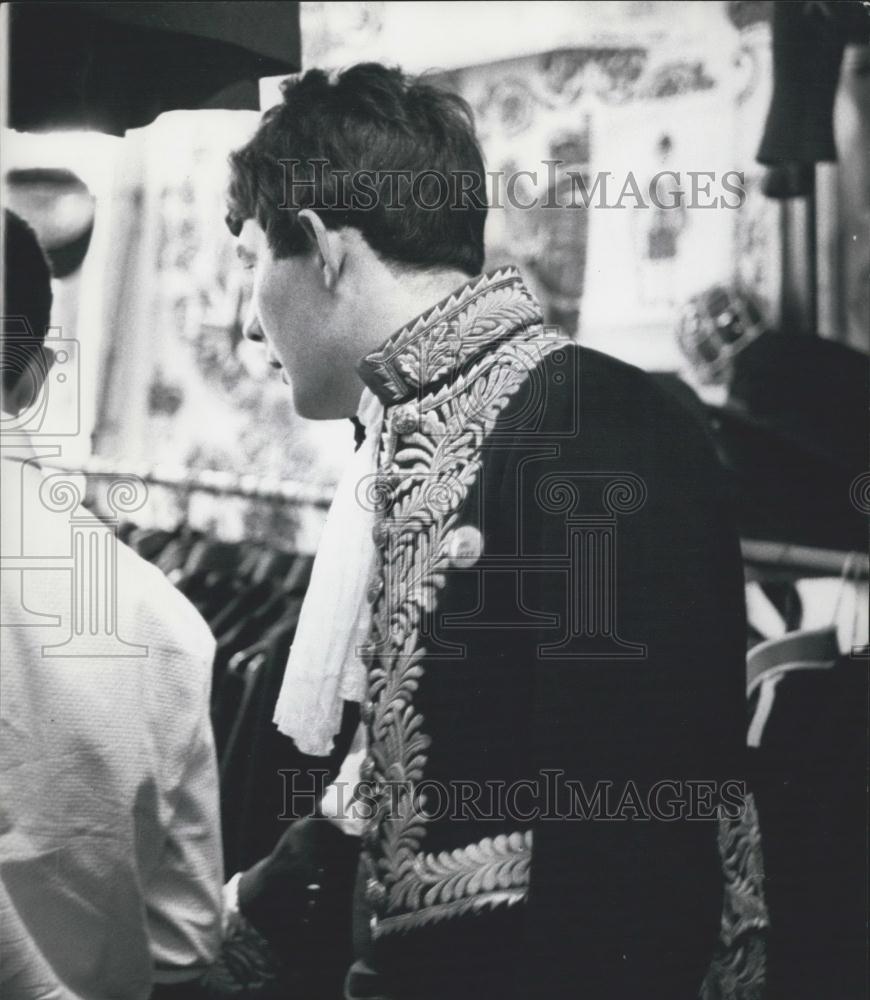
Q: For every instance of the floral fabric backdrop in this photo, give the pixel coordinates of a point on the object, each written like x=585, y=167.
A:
x=617, y=277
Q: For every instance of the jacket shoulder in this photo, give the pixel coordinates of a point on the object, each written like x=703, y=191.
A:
x=580, y=397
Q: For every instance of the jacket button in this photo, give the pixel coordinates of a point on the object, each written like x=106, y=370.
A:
x=376, y=894
x=405, y=420
x=465, y=546
x=367, y=653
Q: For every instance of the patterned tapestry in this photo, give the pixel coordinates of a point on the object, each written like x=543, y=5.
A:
x=617, y=273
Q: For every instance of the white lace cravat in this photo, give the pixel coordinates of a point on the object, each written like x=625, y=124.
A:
x=323, y=669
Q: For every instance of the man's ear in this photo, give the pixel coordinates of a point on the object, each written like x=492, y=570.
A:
x=327, y=244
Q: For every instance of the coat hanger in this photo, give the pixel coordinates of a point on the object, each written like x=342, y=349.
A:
x=808, y=649
x=272, y=564
x=299, y=575
x=769, y=662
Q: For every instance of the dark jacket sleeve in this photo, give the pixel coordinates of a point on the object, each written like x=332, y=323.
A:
x=623, y=901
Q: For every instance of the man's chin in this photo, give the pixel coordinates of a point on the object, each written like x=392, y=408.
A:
x=314, y=407
x=319, y=401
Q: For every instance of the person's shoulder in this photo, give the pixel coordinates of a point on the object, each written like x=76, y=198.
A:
x=602, y=384
x=612, y=377
x=567, y=377
x=149, y=608
x=596, y=409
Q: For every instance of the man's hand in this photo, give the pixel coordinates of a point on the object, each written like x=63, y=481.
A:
x=306, y=882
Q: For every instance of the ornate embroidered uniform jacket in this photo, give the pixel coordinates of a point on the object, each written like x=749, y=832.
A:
x=558, y=599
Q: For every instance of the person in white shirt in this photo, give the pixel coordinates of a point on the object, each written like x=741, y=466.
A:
x=110, y=850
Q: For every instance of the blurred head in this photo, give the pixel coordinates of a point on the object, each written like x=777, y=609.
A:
x=352, y=182
x=26, y=315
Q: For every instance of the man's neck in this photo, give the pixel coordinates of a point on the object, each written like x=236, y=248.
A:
x=390, y=299
x=402, y=297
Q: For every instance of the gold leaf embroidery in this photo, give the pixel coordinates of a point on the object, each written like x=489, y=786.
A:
x=438, y=466
x=737, y=971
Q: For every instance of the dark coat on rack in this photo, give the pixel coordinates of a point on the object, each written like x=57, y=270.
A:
x=559, y=590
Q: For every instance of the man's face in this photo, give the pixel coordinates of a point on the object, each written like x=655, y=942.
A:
x=292, y=316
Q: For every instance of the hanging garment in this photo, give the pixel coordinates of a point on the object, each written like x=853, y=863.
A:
x=800, y=124
x=793, y=438
x=808, y=737
x=266, y=781
x=245, y=633
x=253, y=593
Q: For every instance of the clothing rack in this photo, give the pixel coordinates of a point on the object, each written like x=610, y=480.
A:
x=269, y=489
x=803, y=560
x=756, y=553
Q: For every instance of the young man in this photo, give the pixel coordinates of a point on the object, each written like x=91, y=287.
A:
x=532, y=543
x=110, y=851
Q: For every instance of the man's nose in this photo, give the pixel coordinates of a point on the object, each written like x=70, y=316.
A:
x=251, y=328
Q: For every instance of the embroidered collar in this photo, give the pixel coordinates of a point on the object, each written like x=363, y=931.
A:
x=460, y=328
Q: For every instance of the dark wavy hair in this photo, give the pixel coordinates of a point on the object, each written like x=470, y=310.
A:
x=374, y=127
x=26, y=296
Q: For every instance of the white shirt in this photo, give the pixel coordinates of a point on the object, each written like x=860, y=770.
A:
x=110, y=851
